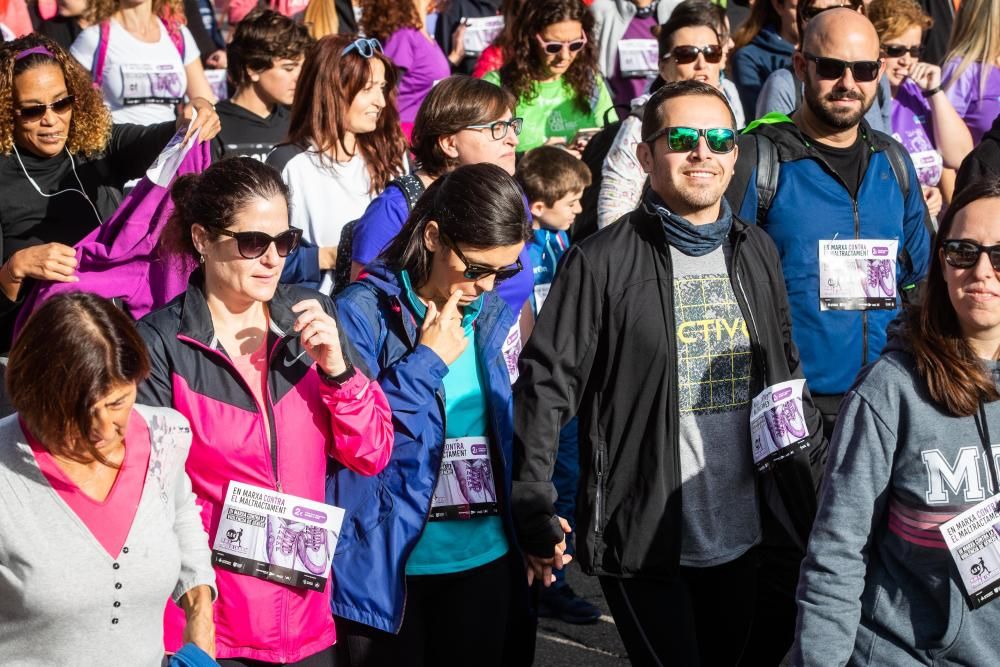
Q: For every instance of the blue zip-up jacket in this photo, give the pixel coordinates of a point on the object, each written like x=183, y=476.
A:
x=766, y=53
x=386, y=514
x=812, y=204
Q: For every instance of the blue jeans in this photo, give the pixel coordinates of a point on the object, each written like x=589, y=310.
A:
x=565, y=477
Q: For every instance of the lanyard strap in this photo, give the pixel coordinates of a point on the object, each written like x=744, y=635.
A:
x=984, y=437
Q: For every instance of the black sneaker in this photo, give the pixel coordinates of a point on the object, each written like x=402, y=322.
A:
x=563, y=603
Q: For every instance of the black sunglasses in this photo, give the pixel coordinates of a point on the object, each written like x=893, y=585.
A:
x=687, y=54
x=898, y=50
x=964, y=254
x=478, y=271
x=863, y=71
x=685, y=139
x=252, y=245
x=36, y=111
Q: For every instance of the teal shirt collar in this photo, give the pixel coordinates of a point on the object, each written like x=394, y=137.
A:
x=469, y=313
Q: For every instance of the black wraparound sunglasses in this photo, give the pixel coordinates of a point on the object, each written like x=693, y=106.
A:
x=478, y=271
x=833, y=68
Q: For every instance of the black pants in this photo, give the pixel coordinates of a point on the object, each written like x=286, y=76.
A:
x=450, y=619
x=322, y=659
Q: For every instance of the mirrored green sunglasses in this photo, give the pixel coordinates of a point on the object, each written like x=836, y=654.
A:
x=719, y=139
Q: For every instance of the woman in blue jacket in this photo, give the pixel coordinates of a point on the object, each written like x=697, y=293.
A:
x=427, y=566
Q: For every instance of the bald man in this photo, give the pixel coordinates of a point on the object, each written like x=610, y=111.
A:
x=851, y=232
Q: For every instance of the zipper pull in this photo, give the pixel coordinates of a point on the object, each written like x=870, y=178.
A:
x=277, y=486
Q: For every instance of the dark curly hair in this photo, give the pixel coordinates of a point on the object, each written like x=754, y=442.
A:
x=329, y=82
x=90, y=126
x=381, y=18
x=262, y=37
x=524, y=59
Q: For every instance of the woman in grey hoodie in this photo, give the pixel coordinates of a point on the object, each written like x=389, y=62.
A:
x=912, y=450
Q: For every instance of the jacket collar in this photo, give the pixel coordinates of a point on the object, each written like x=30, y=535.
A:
x=196, y=318
x=649, y=226
x=793, y=145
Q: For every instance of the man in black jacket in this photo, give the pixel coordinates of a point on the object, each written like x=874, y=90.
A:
x=700, y=449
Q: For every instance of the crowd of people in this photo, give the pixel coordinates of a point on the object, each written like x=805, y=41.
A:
x=333, y=330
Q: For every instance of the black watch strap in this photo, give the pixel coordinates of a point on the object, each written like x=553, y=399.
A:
x=340, y=379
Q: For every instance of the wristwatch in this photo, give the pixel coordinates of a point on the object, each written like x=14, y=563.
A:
x=340, y=379
x=932, y=92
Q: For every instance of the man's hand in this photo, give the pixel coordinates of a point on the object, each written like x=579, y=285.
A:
x=541, y=568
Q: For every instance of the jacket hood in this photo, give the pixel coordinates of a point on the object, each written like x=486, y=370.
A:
x=769, y=40
x=382, y=277
x=793, y=145
x=227, y=109
x=994, y=132
x=897, y=337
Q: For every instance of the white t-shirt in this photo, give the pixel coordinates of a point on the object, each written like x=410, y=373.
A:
x=325, y=196
x=143, y=81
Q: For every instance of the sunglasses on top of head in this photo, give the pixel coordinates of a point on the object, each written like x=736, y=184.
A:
x=552, y=48
x=685, y=139
x=963, y=254
x=252, y=245
x=366, y=47
x=36, y=111
x=686, y=54
x=863, y=71
x=477, y=271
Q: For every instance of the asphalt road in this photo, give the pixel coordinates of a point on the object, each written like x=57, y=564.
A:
x=564, y=645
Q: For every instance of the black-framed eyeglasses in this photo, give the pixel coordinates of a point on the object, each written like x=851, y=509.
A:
x=366, y=47
x=252, y=245
x=36, y=111
x=900, y=50
x=719, y=139
x=963, y=254
x=498, y=128
x=687, y=54
x=477, y=271
x=863, y=71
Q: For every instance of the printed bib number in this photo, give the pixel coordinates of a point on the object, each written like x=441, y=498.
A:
x=465, y=487
x=859, y=274
x=151, y=84
x=541, y=293
x=277, y=537
x=511, y=350
x=638, y=58
x=928, y=165
x=480, y=33
x=217, y=80
x=973, y=539
x=777, y=424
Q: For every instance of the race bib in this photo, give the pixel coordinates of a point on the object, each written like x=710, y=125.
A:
x=151, y=84
x=973, y=539
x=217, y=80
x=928, y=165
x=858, y=274
x=465, y=487
x=638, y=58
x=275, y=536
x=777, y=423
x=541, y=292
x=480, y=33
x=511, y=350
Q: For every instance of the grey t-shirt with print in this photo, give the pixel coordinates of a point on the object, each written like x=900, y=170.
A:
x=720, y=515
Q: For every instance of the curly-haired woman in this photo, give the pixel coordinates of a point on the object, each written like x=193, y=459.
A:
x=344, y=146
x=401, y=26
x=62, y=164
x=552, y=71
x=142, y=57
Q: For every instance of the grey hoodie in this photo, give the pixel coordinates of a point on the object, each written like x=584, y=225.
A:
x=877, y=586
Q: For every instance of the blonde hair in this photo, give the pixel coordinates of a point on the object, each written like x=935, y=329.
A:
x=320, y=18
x=975, y=37
x=101, y=10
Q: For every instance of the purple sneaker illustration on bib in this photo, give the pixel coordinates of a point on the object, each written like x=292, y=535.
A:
x=314, y=549
x=282, y=539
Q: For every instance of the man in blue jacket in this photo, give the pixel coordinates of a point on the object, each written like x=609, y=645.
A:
x=852, y=235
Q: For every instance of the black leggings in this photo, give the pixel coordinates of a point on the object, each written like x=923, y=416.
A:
x=450, y=619
x=322, y=659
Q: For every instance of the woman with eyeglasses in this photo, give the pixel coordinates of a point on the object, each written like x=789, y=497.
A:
x=692, y=45
x=430, y=568
x=401, y=26
x=462, y=121
x=923, y=118
x=344, y=147
x=552, y=71
x=972, y=67
x=912, y=450
x=63, y=164
x=268, y=382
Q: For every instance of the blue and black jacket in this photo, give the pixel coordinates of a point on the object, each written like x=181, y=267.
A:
x=386, y=514
x=812, y=203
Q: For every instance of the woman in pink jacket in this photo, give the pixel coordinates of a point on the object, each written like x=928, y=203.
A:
x=266, y=380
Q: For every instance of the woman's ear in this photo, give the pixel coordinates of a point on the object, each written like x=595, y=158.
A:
x=432, y=236
x=200, y=238
x=449, y=146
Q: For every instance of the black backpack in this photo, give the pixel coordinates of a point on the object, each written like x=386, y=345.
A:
x=593, y=156
x=412, y=188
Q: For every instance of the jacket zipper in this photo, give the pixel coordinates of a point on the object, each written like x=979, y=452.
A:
x=864, y=313
x=749, y=311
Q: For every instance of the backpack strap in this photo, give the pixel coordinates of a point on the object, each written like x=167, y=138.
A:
x=768, y=166
x=101, y=55
x=412, y=188
x=173, y=28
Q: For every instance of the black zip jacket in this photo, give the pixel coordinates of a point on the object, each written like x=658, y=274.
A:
x=605, y=348
x=984, y=160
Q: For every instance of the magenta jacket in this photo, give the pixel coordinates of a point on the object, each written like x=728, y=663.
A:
x=309, y=419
